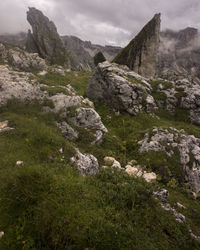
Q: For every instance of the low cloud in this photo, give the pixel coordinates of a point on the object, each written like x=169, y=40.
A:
x=104, y=22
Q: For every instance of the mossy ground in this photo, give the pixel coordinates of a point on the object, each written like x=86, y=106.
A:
x=45, y=204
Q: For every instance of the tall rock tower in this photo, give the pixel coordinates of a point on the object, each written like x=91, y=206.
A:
x=45, y=39
x=141, y=53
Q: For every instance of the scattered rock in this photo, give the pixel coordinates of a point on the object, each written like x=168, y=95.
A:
x=188, y=147
x=87, y=164
x=67, y=131
x=162, y=195
x=137, y=171
x=90, y=119
x=109, y=160
x=150, y=177
x=4, y=127
x=180, y=205
x=19, y=163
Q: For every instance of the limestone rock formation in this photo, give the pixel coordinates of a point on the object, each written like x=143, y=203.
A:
x=20, y=59
x=179, y=53
x=182, y=94
x=172, y=140
x=86, y=164
x=18, y=85
x=121, y=88
x=90, y=119
x=45, y=38
x=140, y=54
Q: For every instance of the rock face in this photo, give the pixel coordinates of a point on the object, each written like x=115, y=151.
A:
x=181, y=94
x=18, y=85
x=45, y=38
x=124, y=90
x=179, y=52
x=22, y=60
x=140, y=54
x=83, y=52
x=172, y=141
x=86, y=164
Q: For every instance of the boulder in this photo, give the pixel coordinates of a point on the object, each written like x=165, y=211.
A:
x=86, y=164
x=120, y=88
x=90, y=119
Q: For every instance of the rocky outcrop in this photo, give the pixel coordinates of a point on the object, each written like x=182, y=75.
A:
x=121, y=88
x=86, y=164
x=140, y=54
x=180, y=94
x=18, y=85
x=162, y=195
x=45, y=39
x=20, y=59
x=172, y=141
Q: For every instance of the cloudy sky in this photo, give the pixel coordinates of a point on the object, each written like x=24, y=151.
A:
x=112, y=22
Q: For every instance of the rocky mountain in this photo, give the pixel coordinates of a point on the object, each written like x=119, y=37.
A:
x=179, y=52
x=108, y=159
x=83, y=52
x=18, y=39
x=141, y=53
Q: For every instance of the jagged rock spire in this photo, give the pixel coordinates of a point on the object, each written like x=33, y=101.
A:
x=45, y=38
x=140, y=54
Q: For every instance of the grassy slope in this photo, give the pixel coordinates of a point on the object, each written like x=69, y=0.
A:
x=45, y=204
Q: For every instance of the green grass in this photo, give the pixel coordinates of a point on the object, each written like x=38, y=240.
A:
x=78, y=80
x=46, y=205
x=54, y=90
x=51, y=207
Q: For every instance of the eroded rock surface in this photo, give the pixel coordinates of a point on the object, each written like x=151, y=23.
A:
x=124, y=90
x=171, y=140
x=141, y=53
x=86, y=164
x=45, y=38
x=18, y=85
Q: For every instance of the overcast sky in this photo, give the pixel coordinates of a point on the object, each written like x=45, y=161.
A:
x=113, y=22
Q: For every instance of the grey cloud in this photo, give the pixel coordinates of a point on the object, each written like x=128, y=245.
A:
x=104, y=22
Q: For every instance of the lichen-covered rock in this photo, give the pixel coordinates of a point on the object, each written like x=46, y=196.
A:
x=67, y=131
x=25, y=61
x=184, y=94
x=90, y=119
x=120, y=88
x=22, y=60
x=140, y=54
x=45, y=38
x=162, y=195
x=86, y=164
x=18, y=85
x=188, y=147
